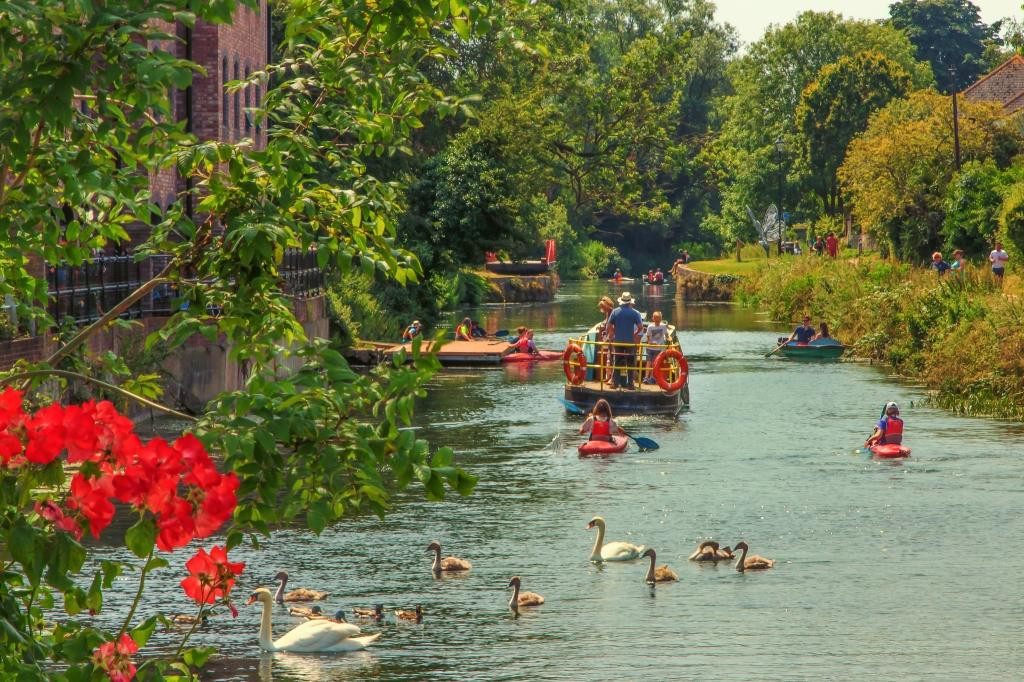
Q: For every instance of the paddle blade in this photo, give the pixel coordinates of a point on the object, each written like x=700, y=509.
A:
x=500, y=333
x=575, y=409
x=646, y=443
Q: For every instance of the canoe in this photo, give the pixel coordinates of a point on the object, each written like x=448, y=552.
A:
x=624, y=280
x=890, y=451
x=814, y=350
x=541, y=356
x=603, y=447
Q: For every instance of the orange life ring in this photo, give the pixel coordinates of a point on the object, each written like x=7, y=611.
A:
x=574, y=364
x=661, y=370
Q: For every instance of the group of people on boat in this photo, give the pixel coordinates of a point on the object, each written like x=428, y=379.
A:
x=626, y=330
x=655, y=277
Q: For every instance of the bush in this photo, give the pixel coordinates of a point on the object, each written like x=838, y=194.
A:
x=973, y=202
x=355, y=312
x=1011, y=220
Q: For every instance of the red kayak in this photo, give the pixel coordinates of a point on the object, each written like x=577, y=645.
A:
x=603, y=447
x=890, y=451
x=541, y=356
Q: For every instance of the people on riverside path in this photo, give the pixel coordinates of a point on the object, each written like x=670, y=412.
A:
x=998, y=258
x=412, y=331
x=655, y=339
x=832, y=245
x=804, y=333
x=957, y=264
x=938, y=264
x=659, y=276
x=464, y=332
x=823, y=332
x=624, y=328
x=889, y=429
x=819, y=246
x=600, y=424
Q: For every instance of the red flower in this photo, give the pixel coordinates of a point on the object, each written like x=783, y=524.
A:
x=10, y=446
x=92, y=498
x=80, y=428
x=211, y=576
x=176, y=526
x=217, y=506
x=115, y=659
x=45, y=435
x=10, y=408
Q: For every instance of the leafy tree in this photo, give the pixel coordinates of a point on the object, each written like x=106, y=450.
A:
x=835, y=107
x=897, y=171
x=973, y=203
x=768, y=82
x=949, y=35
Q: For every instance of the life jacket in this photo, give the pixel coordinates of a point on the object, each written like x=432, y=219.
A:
x=893, y=431
x=523, y=344
x=659, y=277
x=601, y=430
x=463, y=330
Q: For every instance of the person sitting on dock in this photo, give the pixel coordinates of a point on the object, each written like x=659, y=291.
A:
x=624, y=328
x=659, y=276
x=600, y=424
x=525, y=343
x=655, y=338
x=464, y=332
x=822, y=332
x=889, y=429
x=804, y=333
x=476, y=331
x=412, y=331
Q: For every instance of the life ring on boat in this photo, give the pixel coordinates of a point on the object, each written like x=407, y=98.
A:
x=661, y=370
x=574, y=364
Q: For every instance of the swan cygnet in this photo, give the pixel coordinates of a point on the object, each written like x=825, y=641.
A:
x=522, y=598
x=449, y=564
x=706, y=551
x=612, y=551
x=661, y=574
x=300, y=594
x=311, y=636
x=304, y=612
x=751, y=563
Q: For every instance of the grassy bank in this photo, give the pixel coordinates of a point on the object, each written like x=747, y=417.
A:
x=961, y=336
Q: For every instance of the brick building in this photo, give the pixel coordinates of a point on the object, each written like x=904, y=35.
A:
x=1004, y=84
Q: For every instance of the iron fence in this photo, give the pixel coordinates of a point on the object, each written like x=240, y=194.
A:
x=85, y=292
x=301, y=274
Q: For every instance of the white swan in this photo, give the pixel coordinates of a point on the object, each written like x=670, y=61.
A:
x=613, y=551
x=323, y=636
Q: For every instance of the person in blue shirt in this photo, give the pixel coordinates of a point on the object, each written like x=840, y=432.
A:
x=624, y=327
x=804, y=333
x=889, y=429
x=938, y=264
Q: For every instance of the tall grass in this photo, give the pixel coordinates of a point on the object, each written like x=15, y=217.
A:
x=959, y=334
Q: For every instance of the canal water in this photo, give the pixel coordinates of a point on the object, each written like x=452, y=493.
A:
x=883, y=569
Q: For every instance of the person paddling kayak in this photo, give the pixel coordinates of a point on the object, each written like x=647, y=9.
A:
x=525, y=343
x=889, y=429
x=600, y=424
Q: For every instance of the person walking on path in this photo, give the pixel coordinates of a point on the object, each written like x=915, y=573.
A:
x=832, y=245
x=624, y=328
x=998, y=258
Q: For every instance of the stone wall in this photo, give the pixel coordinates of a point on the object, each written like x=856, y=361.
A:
x=521, y=288
x=701, y=286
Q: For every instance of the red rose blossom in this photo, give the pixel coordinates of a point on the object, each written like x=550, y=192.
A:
x=211, y=576
x=92, y=498
x=115, y=659
x=45, y=435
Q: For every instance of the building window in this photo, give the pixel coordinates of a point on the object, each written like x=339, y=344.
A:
x=248, y=114
x=237, y=97
x=224, y=89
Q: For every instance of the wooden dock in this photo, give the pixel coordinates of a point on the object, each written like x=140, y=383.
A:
x=483, y=353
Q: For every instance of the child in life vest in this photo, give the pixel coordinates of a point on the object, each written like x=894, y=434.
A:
x=889, y=429
x=600, y=424
x=525, y=343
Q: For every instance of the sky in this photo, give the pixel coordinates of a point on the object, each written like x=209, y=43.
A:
x=751, y=17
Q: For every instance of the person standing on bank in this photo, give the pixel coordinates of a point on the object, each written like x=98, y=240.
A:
x=624, y=328
x=832, y=245
x=998, y=258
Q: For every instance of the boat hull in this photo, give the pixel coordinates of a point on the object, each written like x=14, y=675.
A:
x=810, y=351
x=890, y=451
x=542, y=356
x=597, y=448
x=646, y=400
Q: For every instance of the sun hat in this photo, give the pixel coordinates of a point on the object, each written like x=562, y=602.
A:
x=892, y=405
x=625, y=298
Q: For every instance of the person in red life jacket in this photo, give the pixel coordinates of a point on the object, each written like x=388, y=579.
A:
x=600, y=424
x=889, y=429
x=525, y=343
x=659, y=276
x=520, y=333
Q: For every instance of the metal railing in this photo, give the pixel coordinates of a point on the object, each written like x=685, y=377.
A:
x=609, y=362
x=301, y=274
x=85, y=292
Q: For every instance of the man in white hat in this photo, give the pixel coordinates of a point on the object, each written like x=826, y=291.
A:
x=889, y=429
x=624, y=327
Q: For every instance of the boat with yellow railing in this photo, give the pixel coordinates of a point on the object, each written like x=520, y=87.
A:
x=591, y=363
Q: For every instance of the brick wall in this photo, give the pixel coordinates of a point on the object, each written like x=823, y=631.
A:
x=1005, y=84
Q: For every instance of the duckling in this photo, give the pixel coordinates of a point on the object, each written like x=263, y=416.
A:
x=661, y=574
x=522, y=598
x=307, y=613
x=300, y=594
x=751, y=563
x=448, y=564
x=706, y=551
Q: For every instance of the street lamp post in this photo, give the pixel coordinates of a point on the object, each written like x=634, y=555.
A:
x=780, y=149
x=956, y=119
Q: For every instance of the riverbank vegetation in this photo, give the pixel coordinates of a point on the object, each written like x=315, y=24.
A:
x=961, y=335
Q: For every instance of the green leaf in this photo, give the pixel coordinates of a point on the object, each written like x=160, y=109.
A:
x=144, y=630
x=141, y=537
x=198, y=656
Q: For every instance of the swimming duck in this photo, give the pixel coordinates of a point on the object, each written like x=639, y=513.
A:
x=448, y=564
x=313, y=612
x=324, y=636
x=751, y=563
x=613, y=551
x=412, y=616
x=300, y=594
x=522, y=598
x=362, y=613
x=662, y=574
